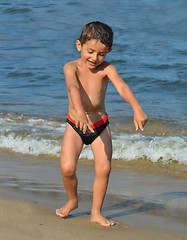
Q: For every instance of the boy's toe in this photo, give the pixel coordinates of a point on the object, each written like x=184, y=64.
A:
x=58, y=213
x=108, y=224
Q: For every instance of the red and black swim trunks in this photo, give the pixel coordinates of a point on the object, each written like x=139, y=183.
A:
x=98, y=127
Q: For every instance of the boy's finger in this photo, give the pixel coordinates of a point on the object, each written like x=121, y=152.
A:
x=140, y=126
x=84, y=128
x=136, y=125
x=81, y=126
x=90, y=128
x=76, y=124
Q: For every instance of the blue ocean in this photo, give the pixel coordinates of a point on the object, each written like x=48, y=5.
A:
x=150, y=52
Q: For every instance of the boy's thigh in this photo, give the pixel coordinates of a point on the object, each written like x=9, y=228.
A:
x=102, y=146
x=71, y=145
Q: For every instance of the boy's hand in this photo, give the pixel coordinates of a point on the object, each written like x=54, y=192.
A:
x=140, y=119
x=82, y=123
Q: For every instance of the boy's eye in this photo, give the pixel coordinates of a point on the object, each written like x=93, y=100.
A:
x=90, y=52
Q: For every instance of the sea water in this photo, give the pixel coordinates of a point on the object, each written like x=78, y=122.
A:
x=150, y=52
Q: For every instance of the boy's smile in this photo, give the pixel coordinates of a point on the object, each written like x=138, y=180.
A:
x=93, y=53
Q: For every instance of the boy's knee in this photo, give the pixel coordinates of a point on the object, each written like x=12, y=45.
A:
x=68, y=169
x=107, y=170
x=103, y=170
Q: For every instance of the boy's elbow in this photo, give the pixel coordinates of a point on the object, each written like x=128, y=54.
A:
x=122, y=90
x=72, y=89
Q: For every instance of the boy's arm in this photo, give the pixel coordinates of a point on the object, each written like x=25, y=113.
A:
x=140, y=118
x=74, y=93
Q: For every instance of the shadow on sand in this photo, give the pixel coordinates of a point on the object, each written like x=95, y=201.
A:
x=137, y=205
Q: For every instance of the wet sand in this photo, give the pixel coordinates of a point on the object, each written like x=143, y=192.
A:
x=144, y=205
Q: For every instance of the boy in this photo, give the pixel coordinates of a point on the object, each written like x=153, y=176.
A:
x=87, y=122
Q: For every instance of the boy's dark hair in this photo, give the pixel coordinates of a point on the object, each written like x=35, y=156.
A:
x=98, y=31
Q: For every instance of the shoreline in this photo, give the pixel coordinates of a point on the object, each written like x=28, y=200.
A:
x=146, y=166
x=142, y=203
x=172, y=169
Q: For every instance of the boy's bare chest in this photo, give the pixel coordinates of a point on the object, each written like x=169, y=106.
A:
x=92, y=83
x=92, y=89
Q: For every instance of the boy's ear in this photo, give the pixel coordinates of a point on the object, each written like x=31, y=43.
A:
x=78, y=45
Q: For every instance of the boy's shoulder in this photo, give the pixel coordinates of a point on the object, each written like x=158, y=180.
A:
x=107, y=66
x=72, y=65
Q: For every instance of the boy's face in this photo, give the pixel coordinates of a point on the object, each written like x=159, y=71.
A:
x=93, y=53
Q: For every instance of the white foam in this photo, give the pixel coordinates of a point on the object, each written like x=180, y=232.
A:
x=29, y=145
x=42, y=136
x=31, y=135
x=131, y=147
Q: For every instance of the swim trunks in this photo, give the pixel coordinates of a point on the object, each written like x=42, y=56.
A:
x=98, y=127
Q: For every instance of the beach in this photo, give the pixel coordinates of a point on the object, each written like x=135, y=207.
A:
x=147, y=190
x=31, y=189
x=32, y=221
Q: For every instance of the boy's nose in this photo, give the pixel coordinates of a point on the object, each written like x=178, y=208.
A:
x=94, y=57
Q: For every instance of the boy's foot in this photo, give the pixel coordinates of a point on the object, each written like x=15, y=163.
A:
x=66, y=209
x=98, y=218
